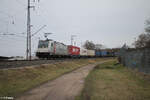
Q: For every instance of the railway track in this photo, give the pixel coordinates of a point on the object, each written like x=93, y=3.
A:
x=22, y=63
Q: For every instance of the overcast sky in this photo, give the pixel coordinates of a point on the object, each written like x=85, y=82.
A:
x=108, y=22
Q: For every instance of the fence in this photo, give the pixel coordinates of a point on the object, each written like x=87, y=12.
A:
x=139, y=59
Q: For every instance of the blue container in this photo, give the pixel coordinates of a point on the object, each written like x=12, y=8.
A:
x=97, y=53
x=103, y=53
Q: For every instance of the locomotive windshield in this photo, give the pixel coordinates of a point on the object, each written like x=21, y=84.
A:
x=43, y=44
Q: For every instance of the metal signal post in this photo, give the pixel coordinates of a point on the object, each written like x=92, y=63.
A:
x=28, y=51
x=29, y=35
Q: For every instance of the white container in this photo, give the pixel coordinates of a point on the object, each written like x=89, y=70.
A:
x=83, y=52
x=90, y=52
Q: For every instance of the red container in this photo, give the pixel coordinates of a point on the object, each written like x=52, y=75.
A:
x=73, y=50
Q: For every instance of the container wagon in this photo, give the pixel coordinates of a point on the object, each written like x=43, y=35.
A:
x=104, y=53
x=73, y=51
x=83, y=53
x=90, y=53
x=98, y=53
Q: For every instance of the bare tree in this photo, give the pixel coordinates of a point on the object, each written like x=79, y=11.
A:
x=142, y=41
x=144, y=38
x=89, y=45
x=147, y=24
x=99, y=47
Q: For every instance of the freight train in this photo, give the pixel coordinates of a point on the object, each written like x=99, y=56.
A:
x=53, y=49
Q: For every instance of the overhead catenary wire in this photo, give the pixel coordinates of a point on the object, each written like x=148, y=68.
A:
x=11, y=34
x=16, y=38
x=38, y=30
x=19, y=35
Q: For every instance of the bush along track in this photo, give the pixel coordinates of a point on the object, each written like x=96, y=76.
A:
x=14, y=82
x=112, y=81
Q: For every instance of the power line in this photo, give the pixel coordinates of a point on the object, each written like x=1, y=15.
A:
x=38, y=30
x=28, y=37
x=11, y=34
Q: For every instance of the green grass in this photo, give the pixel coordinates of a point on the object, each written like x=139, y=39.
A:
x=111, y=81
x=13, y=82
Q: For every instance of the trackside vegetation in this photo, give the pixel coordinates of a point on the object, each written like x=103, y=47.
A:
x=112, y=81
x=14, y=82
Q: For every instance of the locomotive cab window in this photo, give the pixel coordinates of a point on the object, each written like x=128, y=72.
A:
x=43, y=44
x=52, y=44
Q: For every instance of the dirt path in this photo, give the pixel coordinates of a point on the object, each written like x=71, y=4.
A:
x=65, y=87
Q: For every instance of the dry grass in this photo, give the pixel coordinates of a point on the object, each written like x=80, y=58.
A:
x=15, y=81
x=114, y=82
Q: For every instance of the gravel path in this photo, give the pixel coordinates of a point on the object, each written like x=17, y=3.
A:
x=65, y=87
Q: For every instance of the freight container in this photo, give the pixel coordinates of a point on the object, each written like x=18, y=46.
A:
x=104, y=53
x=83, y=52
x=97, y=53
x=91, y=53
x=73, y=50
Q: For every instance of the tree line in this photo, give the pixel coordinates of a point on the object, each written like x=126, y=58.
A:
x=143, y=40
x=91, y=46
